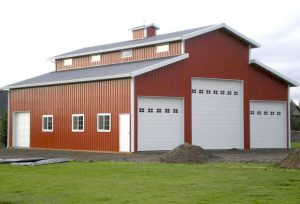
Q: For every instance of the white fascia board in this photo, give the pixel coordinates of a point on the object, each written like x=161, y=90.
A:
x=219, y=26
x=144, y=26
x=69, y=81
x=276, y=73
x=117, y=48
x=159, y=65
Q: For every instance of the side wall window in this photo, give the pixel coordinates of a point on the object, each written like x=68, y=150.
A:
x=77, y=123
x=103, y=122
x=47, y=123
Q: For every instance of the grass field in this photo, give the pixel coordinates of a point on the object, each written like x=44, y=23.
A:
x=295, y=145
x=108, y=182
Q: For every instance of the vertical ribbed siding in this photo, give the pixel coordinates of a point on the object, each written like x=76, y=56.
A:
x=142, y=53
x=138, y=34
x=112, y=96
x=213, y=55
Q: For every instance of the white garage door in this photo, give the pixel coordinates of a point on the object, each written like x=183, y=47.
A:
x=160, y=123
x=217, y=114
x=21, y=129
x=268, y=125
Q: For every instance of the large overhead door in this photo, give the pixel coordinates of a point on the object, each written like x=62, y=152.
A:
x=21, y=128
x=268, y=124
x=160, y=123
x=217, y=113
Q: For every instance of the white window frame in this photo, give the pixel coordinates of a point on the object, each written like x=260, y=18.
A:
x=68, y=62
x=163, y=48
x=124, y=53
x=76, y=130
x=103, y=114
x=47, y=130
x=96, y=58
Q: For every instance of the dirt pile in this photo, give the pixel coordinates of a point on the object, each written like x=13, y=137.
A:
x=187, y=153
x=292, y=160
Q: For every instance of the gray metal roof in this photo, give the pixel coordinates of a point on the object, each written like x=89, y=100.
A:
x=130, y=43
x=164, y=38
x=114, y=71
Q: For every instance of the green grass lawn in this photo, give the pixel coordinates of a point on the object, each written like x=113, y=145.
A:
x=112, y=182
x=295, y=145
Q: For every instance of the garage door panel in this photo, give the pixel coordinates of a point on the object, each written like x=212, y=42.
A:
x=163, y=129
x=217, y=106
x=268, y=125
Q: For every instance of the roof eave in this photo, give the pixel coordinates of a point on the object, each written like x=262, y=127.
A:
x=159, y=65
x=116, y=48
x=68, y=81
x=251, y=42
x=290, y=82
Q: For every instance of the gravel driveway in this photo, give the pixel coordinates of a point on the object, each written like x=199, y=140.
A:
x=258, y=156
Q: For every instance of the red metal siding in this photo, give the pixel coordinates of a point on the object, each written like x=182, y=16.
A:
x=62, y=101
x=151, y=31
x=140, y=53
x=213, y=55
x=138, y=34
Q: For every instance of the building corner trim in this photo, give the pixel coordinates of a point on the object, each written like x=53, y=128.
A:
x=8, y=119
x=289, y=120
x=132, y=118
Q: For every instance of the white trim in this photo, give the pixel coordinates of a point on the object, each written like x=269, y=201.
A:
x=132, y=117
x=103, y=114
x=145, y=32
x=182, y=47
x=47, y=116
x=269, y=69
x=144, y=26
x=70, y=81
x=184, y=37
x=218, y=26
x=159, y=65
x=289, y=120
x=76, y=115
x=8, y=119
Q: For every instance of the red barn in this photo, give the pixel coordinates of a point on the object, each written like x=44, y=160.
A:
x=154, y=92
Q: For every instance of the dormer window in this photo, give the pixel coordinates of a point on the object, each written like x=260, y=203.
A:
x=96, y=58
x=68, y=62
x=162, y=48
x=126, y=53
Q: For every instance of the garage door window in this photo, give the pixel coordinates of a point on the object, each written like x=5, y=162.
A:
x=47, y=123
x=141, y=110
x=103, y=122
x=78, y=123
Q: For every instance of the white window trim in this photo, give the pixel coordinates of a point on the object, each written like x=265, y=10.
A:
x=103, y=114
x=122, y=51
x=47, y=116
x=74, y=115
x=68, y=60
x=98, y=55
x=168, y=44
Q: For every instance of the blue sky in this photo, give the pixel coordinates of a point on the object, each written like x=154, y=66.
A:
x=32, y=30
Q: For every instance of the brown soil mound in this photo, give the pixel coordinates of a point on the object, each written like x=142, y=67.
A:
x=187, y=153
x=292, y=160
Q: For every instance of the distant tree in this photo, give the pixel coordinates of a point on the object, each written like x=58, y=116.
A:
x=3, y=129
